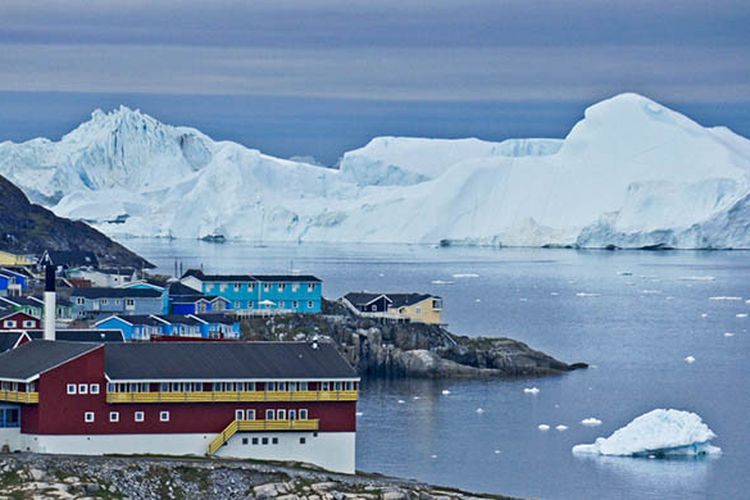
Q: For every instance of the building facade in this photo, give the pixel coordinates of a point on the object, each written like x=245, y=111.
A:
x=408, y=307
x=285, y=401
x=98, y=302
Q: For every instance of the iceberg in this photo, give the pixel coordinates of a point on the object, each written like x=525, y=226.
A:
x=658, y=433
x=630, y=174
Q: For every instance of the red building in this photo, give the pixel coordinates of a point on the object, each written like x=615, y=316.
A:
x=262, y=400
x=19, y=320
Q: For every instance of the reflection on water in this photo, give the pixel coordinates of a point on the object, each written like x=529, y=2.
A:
x=634, y=315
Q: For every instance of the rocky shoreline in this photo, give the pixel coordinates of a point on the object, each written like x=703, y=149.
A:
x=408, y=349
x=27, y=475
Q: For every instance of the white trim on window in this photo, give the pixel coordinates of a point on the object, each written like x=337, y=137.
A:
x=163, y=416
x=88, y=417
x=71, y=389
x=139, y=416
x=114, y=416
x=94, y=389
x=83, y=389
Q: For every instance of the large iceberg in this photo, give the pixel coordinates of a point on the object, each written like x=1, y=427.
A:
x=632, y=174
x=658, y=433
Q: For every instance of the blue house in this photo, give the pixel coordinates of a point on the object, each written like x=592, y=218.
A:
x=136, y=327
x=12, y=283
x=185, y=300
x=255, y=294
x=98, y=302
x=223, y=326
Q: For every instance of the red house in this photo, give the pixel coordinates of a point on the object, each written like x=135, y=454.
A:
x=19, y=320
x=261, y=400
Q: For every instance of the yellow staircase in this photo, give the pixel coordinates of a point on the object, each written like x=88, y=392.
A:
x=260, y=425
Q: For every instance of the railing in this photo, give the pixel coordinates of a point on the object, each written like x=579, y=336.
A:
x=19, y=397
x=230, y=397
x=259, y=426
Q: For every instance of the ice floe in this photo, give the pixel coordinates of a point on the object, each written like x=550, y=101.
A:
x=741, y=315
x=689, y=360
x=562, y=428
x=480, y=411
x=465, y=275
x=445, y=392
x=543, y=427
x=441, y=282
x=658, y=433
x=725, y=297
x=651, y=292
x=586, y=294
x=697, y=278
x=531, y=390
x=591, y=422
x=401, y=401
x=728, y=334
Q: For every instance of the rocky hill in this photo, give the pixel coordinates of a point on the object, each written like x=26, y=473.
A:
x=46, y=476
x=26, y=228
x=408, y=349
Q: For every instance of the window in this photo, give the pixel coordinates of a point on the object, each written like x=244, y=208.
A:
x=237, y=304
x=250, y=287
x=266, y=287
x=282, y=304
x=250, y=304
x=264, y=441
x=163, y=416
x=103, y=302
x=83, y=389
x=295, y=287
x=303, y=414
x=114, y=416
x=270, y=415
x=292, y=414
x=239, y=414
x=374, y=307
x=274, y=440
x=9, y=323
x=130, y=303
x=244, y=440
x=255, y=441
x=250, y=414
x=295, y=304
x=309, y=304
x=29, y=323
x=281, y=414
x=80, y=301
x=237, y=287
x=94, y=389
x=118, y=302
x=139, y=416
x=282, y=286
x=88, y=417
x=419, y=310
x=302, y=440
x=310, y=287
x=71, y=388
x=223, y=287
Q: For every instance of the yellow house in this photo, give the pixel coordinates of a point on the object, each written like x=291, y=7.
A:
x=416, y=307
x=10, y=259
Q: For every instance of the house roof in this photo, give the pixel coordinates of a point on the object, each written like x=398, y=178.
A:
x=364, y=298
x=90, y=335
x=407, y=299
x=217, y=277
x=286, y=277
x=10, y=314
x=176, y=288
x=32, y=358
x=103, y=292
x=250, y=277
x=21, y=301
x=178, y=319
x=71, y=258
x=224, y=361
x=224, y=319
x=8, y=340
x=135, y=319
x=59, y=300
x=11, y=272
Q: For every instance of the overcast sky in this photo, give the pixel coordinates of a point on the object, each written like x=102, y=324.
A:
x=310, y=77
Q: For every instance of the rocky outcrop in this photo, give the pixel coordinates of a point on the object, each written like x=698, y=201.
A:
x=408, y=349
x=53, y=476
x=30, y=229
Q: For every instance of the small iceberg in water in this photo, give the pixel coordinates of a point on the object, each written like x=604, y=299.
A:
x=531, y=390
x=658, y=433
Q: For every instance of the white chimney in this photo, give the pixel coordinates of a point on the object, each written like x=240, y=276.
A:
x=50, y=302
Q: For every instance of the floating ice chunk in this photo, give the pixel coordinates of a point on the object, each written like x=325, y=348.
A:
x=416, y=398
x=728, y=334
x=689, y=360
x=359, y=414
x=401, y=401
x=543, y=427
x=651, y=292
x=531, y=390
x=697, y=278
x=562, y=428
x=433, y=456
x=724, y=297
x=586, y=294
x=497, y=452
x=480, y=411
x=381, y=275
x=445, y=392
x=704, y=315
x=477, y=300
x=554, y=294
x=747, y=301
x=591, y=422
x=741, y=315
x=659, y=433
x=523, y=299
x=441, y=282
x=465, y=275
x=669, y=297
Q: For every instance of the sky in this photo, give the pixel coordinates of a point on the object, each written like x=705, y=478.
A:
x=319, y=77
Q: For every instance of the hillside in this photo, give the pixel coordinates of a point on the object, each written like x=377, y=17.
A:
x=630, y=174
x=30, y=229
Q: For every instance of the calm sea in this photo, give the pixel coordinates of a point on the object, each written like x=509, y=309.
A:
x=634, y=316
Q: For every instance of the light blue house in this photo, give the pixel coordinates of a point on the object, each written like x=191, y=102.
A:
x=143, y=327
x=223, y=326
x=99, y=302
x=185, y=300
x=256, y=294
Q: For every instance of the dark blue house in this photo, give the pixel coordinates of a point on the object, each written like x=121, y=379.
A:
x=12, y=283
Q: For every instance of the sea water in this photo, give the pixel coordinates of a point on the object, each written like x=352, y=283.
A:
x=635, y=316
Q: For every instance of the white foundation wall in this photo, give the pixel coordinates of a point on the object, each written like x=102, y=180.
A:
x=334, y=451
x=12, y=438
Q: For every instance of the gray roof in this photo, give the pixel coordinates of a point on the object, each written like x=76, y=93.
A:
x=226, y=319
x=103, y=292
x=72, y=258
x=90, y=335
x=363, y=298
x=137, y=319
x=180, y=319
x=250, y=277
x=33, y=358
x=407, y=299
x=224, y=360
x=21, y=301
x=8, y=340
x=286, y=277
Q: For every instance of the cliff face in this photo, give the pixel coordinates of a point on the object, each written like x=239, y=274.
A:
x=26, y=228
x=410, y=349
